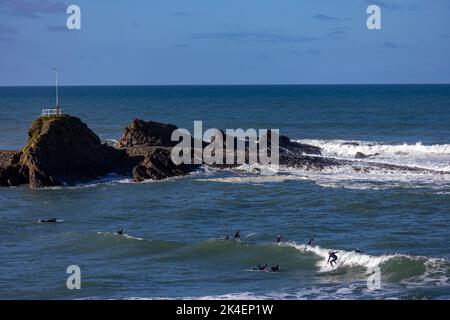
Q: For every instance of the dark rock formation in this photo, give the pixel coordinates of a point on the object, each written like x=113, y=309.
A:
x=360, y=155
x=297, y=147
x=353, y=144
x=149, y=147
x=11, y=173
x=142, y=133
x=63, y=150
x=154, y=162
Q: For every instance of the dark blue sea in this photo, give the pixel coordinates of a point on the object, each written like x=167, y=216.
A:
x=399, y=220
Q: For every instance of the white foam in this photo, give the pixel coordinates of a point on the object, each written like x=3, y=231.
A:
x=120, y=235
x=345, y=258
x=434, y=157
x=255, y=179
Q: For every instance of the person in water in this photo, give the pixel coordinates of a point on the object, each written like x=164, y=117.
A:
x=311, y=242
x=274, y=269
x=262, y=268
x=278, y=238
x=237, y=235
x=120, y=232
x=332, y=257
x=47, y=221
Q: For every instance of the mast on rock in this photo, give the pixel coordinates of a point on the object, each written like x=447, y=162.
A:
x=57, y=110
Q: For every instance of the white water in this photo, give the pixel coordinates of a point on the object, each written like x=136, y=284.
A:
x=345, y=258
x=434, y=157
x=431, y=157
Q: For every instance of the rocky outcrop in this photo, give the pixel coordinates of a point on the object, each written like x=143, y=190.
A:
x=149, y=147
x=11, y=173
x=151, y=133
x=360, y=155
x=300, y=148
x=62, y=150
x=155, y=163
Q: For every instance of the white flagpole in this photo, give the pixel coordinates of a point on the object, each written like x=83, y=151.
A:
x=57, y=97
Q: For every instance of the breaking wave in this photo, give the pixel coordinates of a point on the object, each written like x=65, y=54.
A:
x=433, y=157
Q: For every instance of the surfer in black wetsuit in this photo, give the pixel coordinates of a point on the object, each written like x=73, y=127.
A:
x=47, y=221
x=278, y=238
x=332, y=257
x=274, y=269
x=311, y=242
x=237, y=235
x=120, y=232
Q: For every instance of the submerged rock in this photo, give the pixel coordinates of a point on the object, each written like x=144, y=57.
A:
x=360, y=155
x=296, y=147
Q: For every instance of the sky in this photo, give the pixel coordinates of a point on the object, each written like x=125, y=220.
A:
x=196, y=42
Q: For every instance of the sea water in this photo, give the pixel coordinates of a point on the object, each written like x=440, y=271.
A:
x=399, y=221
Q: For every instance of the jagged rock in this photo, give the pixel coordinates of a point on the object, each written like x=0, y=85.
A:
x=11, y=173
x=360, y=155
x=297, y=147
x=149, y=133
x=63, y=150
x=353, y=144
x=157, y=165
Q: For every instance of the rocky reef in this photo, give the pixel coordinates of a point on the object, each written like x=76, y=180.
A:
x=62, y=150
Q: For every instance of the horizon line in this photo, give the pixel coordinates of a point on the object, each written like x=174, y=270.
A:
x=237, y=84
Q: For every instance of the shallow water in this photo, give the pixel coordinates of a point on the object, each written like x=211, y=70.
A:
x=400, y=220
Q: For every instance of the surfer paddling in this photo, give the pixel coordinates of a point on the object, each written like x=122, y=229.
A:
x=53, y=220
x=266, y=268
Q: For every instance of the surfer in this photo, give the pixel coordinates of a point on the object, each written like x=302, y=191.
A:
x=311, y=242
x=332, y=257
x=262, y=268
x=237, y=235
x=274, y=269
x=120, y=232
x=53, y=220
x=278, y=238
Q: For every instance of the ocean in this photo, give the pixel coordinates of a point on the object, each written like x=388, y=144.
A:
x=399, y=221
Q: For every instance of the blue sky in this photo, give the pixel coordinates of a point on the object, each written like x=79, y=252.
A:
x=153, y=42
